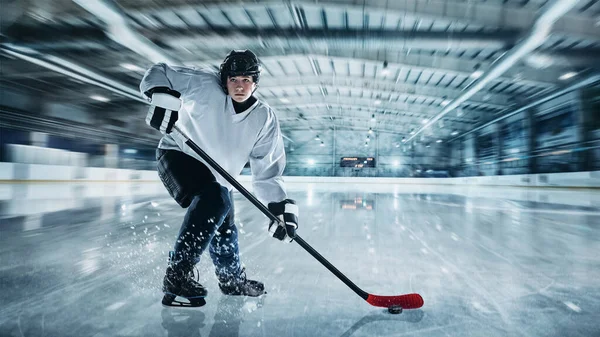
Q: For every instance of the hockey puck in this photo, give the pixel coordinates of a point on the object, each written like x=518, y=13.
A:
x=395, y=309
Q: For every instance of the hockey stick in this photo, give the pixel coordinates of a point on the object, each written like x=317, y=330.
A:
x=393, y=303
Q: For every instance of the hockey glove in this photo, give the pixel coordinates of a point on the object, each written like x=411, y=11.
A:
x=164, y=108
x=287, y=211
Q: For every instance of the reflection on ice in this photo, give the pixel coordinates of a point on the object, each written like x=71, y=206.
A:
x=488, y=262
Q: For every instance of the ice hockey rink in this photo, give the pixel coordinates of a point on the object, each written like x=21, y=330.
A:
x=82, y=260
x=449, y=148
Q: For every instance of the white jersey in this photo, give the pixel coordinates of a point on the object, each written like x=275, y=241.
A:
x=207, y=116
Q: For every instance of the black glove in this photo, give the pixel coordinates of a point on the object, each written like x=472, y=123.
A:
x=164, y=108
x=287, y=211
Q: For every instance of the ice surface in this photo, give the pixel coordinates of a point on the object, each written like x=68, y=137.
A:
x=487, y=261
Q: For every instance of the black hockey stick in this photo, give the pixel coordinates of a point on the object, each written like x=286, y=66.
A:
x=406, y=301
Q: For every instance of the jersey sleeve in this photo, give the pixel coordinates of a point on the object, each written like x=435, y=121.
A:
x=267, y=162
x=163, y=75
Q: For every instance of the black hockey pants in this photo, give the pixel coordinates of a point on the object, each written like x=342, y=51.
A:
x=209, y=221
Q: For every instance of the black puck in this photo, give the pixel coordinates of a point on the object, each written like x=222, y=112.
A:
x=395, y=309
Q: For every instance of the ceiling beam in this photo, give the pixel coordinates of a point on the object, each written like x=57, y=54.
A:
x=429, y=93
x=362, y=124
x=65, y=37
x=484, y=13
x=452, y=66
x=330, y=105
x=319, y=39
x=425, y=108
x=446, y=64
x=386, y=85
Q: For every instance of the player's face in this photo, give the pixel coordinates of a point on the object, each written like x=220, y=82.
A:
x=240, y=88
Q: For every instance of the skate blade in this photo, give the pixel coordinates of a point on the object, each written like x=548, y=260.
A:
x=244, y=294
x=241, y=293
x=258, y=295
x=170, y=300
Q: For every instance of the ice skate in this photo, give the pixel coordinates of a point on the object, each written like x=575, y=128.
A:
x=240, y=286
x=179, y=284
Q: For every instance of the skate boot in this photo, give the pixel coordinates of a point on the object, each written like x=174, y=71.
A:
x=179, y=282
x=240, y=285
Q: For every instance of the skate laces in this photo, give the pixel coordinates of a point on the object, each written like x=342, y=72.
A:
x=242, y=275
x=197, y=273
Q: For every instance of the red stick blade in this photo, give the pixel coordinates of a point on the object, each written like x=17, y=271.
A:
x=408, y=301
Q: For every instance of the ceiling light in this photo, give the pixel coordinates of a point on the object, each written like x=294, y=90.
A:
x=454, y=133
x=370, y=130
x=396, y=163
x=397, y=145
x=412, y=132
x=131, y=67
x=385, y=71
x=427, y=145
x=539, y=61
x=311, y=162
x=517, y=77
x=445, y=102
x=438, y=141
x=284, y=100
x=366, y=144
x=373, y=118
x=317, y=138
x=477, y=74
x=367, y=139
x=425, y=121
x=322, y=144
x=100, y=98
x=568, y=75
x=403, y=140
x=130, y=151
x=377, y=102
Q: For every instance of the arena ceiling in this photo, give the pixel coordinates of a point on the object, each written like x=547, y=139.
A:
x=426, y=68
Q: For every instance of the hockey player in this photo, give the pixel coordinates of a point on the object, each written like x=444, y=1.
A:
x=219, y=112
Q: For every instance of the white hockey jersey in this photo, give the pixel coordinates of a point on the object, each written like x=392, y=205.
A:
x=207, y=116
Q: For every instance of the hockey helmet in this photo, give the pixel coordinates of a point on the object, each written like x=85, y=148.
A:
x=239, y=63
